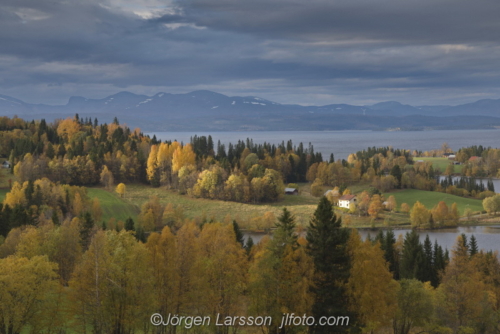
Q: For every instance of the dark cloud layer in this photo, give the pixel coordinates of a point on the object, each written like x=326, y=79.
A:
x=310, y=52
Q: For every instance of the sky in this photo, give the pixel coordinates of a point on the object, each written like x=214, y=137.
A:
x=309, y=52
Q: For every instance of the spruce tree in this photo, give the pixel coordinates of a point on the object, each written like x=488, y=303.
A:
x=249, y=244
x=390, y=253
x=129, y=224
x=285, y=228
x=412, y=258
x=238, y=233
x=465, y=243
x=473, y=249
x=396, y=172
x=428, y=270
x=86, y=229
x=327, y=246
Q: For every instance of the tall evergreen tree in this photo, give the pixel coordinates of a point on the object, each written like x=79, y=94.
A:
x=428, y=269
x=412, y=258
x=327, y=242
x=396, y=172
x=473, y=248
x=249, y=244
x=238, y=233
x=86, y=229
x=285, y=229
x=129, y=224
x=390, y=253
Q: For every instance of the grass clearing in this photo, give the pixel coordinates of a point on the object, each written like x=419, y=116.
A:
x=441, y=163
x=113, y=206
x=302, y=205
x=431, y=199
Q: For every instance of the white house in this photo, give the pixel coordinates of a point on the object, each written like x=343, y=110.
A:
x=346, y=201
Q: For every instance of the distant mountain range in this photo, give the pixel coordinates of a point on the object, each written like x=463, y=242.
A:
x=209, y=111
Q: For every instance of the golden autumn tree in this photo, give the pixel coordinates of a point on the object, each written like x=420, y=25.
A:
x=68, y=128
x=16, y=195
x=121, y=189
x=111, y=289
x=152, y=166
x=375, y=206
x=419, y=216
x=453, y=215
x=371, y=287
x=183, y=157
x=26, y=286
x=63, y=247
x=164, y=260
x=89, y=284
x=30, y=243
x=78, y=205
x=405, y=208
x=106, y=177
x=391, y=203
x=188, y=250
x=440, y=213
x=221, y=269
x=415, y=306
x=463, y=294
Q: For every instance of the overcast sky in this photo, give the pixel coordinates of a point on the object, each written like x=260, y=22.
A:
x=318, y=52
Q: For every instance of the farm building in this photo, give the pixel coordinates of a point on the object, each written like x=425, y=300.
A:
x=291, y=191
x=346, y=201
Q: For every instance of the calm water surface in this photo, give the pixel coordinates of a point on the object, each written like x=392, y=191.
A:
x=488, y=237
x=343, y=143
x=496, y=182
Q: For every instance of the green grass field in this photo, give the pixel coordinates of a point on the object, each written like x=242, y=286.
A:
x=441, y=163
x=431, y=199
x=113, y=206
x=302, y=206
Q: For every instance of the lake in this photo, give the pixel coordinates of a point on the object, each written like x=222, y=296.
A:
x=496, y=182
x=487, y=236
x=343, y=143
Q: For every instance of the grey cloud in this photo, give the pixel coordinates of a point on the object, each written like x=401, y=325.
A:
x=284, y=50
x=413, y=21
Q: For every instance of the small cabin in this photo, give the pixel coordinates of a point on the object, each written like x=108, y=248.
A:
x=291, y=191
x=345, y=201
x=5, y=164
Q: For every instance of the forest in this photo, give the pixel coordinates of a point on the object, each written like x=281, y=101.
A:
x=65, y=270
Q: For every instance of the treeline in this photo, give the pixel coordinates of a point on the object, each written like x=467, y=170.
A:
x=73, y=151
x=385, y=168
x=77, y=277
x=477, y=160
x=488, y=164
x=79, y=151
x=43, y=201
x=82, y=152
